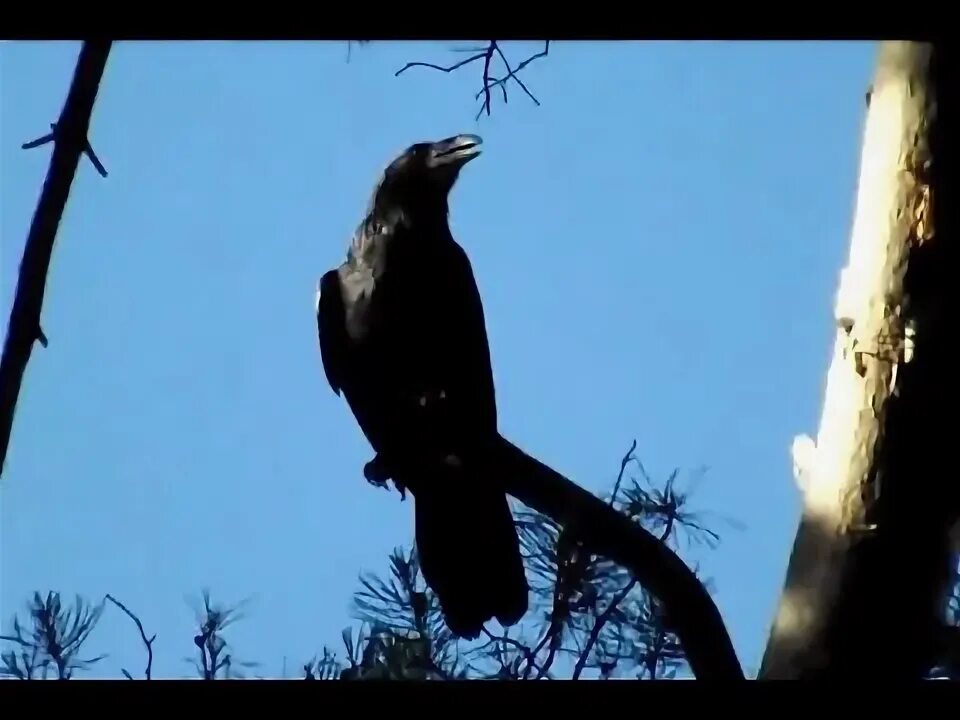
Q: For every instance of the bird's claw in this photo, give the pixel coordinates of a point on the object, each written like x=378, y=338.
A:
x=378, y=474
x=375, y=472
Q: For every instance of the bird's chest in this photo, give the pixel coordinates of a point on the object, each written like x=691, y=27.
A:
x=409, y=315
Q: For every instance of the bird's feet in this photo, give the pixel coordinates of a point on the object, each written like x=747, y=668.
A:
x=377, y=472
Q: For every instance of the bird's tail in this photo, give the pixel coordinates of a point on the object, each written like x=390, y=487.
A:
x=469, y=551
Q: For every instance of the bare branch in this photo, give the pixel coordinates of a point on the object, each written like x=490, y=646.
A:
x=148, y=643
x=623, y=466
x=514, y=73
x=70, y=141
x=526, y=652
x=488, y=56
x=489, y=82
x=448, y=69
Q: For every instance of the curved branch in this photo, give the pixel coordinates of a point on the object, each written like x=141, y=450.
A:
x=692, y=614
x=147, y=642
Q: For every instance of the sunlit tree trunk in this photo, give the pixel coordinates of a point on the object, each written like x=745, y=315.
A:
x=869, y=572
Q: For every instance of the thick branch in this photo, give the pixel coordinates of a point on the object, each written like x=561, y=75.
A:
x=880, y=491
x=604, y=531
x=70, y=141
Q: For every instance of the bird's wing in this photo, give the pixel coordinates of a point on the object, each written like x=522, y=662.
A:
x=331, y=329
x=469, y=371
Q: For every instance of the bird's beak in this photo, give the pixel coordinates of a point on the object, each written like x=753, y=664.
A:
x=456, y=151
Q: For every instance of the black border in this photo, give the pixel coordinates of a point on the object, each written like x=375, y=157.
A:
x=401, y=21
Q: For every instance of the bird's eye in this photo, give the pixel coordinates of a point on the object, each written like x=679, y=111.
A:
x=378, y=228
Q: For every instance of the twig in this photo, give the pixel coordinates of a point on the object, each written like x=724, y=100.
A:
x=552, y=630
x=569, y=572
x=16, y=639
x=489, y=83
x=70, y=141
x=654, y=653
x=448, y=69
x=54, y=135
x=148, y=673
x=605, y=616
x=528, y=654
x=488, y=56
x=623, y=467
x=513, y=73
x=350, y=46
x=555, y=641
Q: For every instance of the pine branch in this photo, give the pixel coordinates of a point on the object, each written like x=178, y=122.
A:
x=691, y=612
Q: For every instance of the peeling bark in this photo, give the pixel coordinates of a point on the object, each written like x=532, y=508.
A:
x=871, y=564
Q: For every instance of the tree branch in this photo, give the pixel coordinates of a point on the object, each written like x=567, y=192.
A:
x=691, y=612
x=148, y=643
x=489, y=82
x=611, y=608
x=69, y=136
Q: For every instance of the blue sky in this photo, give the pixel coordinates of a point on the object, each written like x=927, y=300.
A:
x=657, y=247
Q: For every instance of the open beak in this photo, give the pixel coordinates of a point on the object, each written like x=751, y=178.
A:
x=458, y=150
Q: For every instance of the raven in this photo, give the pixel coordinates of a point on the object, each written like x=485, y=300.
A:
x=403, y=337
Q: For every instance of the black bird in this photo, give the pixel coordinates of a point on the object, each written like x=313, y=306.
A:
x=403, y=337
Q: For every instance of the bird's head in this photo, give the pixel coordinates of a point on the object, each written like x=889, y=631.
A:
x=420, y=179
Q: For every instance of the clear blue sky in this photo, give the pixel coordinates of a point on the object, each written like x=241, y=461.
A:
x=657, y=247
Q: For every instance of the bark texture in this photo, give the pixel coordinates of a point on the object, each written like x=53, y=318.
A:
x=871, y=564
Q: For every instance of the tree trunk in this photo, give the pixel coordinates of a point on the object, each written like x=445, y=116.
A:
x=869, y=573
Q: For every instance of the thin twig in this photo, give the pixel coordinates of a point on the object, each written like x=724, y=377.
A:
x=148, y=673
x=555, y=641
x=19, y=640
x=605, y=616
x=568, y=570
x=514, y=73
x=528, y=654
x=623, y=467
x=448, y=69
x=488, y=56
x=489, y=82
x=560, y=596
